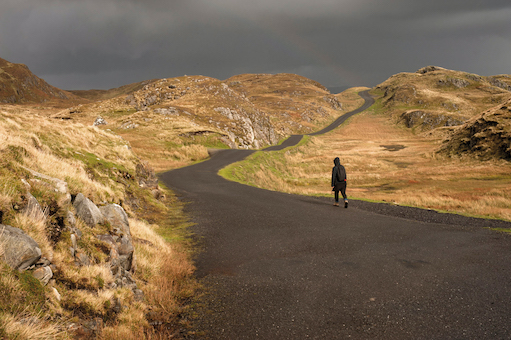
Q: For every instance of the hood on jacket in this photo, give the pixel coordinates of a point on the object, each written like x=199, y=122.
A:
x=337, y=162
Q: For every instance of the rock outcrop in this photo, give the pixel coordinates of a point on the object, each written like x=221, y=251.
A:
x=117, y=217
x=99, y=121
x=487, y=136
x=428, y=121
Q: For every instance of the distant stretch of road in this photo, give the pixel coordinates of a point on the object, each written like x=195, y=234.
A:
x=295, y=139
x=279, y=266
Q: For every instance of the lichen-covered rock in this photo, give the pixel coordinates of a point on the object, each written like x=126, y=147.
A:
x=43, y=274
x=20, y=250
x=116, y=216
x=87, y=211
x=99, y=121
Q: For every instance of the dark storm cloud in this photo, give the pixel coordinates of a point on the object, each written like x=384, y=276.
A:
x=107, y=43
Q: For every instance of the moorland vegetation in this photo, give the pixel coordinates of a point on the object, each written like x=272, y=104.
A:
x=436, y=138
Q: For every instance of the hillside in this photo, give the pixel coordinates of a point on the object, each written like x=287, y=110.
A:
x=467, y=110
x=485, y=136
x=98, y=95
x=87, y=237
x=90, y=244
x=435, y=97
x=19, y=85
x=176, y=119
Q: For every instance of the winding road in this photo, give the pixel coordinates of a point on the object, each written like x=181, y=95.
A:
x=279, y=266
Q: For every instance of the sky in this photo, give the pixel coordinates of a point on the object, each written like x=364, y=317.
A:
x=102, y=44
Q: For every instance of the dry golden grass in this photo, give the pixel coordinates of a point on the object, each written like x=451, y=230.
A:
x=26, y=326
x=411, y=175
x=63, y=142
x=100, y=165
x=164, y=267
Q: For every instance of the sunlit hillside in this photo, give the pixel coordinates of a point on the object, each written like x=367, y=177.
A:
x=173, y=121
x=436, y=139
x=116, y=281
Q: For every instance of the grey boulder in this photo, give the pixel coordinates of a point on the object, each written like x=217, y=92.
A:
x=87, y=210
x=20, y=250
x=117, y=217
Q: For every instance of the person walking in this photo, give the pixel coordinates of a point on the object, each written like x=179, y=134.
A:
x=339, y=182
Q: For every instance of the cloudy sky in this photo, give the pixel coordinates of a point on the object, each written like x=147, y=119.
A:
x=84, y=44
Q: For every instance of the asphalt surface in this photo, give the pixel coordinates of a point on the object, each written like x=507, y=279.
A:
x=279, y=266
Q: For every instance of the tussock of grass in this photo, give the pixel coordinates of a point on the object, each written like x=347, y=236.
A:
x=25, y=326
x=164, y=267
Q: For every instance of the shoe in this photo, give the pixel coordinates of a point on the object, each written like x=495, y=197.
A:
x=336, y=204
x=345, y=204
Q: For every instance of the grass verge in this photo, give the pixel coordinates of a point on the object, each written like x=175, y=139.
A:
x=385, y=162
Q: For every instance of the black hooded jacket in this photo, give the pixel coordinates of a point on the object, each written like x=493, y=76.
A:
x=338, y=174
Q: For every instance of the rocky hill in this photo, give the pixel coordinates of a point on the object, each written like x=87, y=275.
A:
x=19, y=85
x=485, y=136
x=434, y=97
x=245, y=111
x=83, y=221
x=467, y=110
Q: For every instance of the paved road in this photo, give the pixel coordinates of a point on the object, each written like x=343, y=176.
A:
x=279, y=266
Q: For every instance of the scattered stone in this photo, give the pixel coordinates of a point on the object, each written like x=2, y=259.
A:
x=20, y=250
x=71, y=220
x=128, y=125
x=138, y=295
x=81, y=258
x=146, y=176
x=59, y=185
x=27, y=185
x=43, y=261
x=99, y=121
x=73, y=241
x=427, y=69
x=33, y=208
x=116, y=216
x=56, y=293
x=43, y=274
x=87, y=210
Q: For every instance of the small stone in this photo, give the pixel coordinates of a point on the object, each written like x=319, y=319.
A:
x=138, y=294
x=73, y=241
x=56, y=293
x=43, y=274
x=99, y=121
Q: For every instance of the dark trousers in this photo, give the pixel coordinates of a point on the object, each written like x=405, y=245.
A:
x=342, y=188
